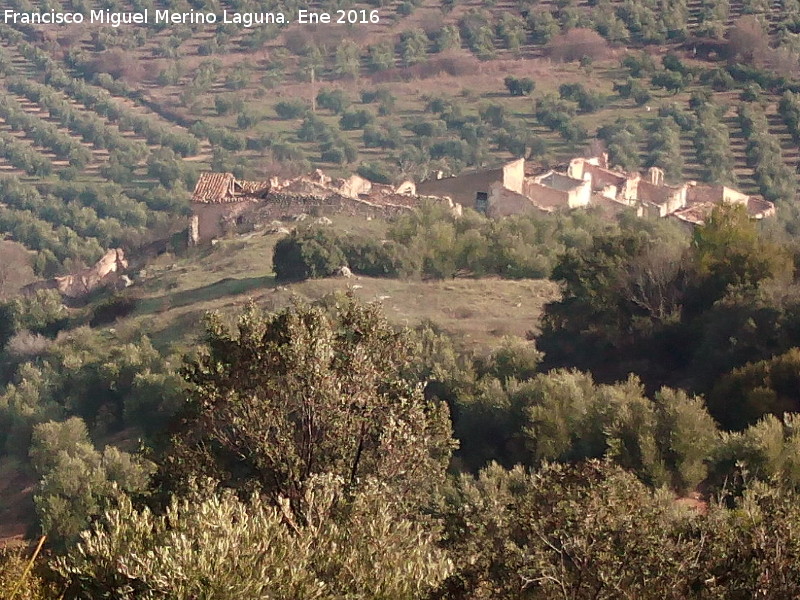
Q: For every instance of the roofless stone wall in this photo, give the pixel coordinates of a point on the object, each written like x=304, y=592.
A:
x=281, y=205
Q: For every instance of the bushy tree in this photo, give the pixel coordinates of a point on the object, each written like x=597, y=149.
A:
x=448, y=38
x=729, y=252
x=766, y=387
x=712, y=141
x=664, y=148
x=379, y=259
x=571, y=531
x=647, y=294
x=349, y=546
x=165, y=166
x=639, y=64
x=381, y=56
x=78, y=482
x=622, y=140
x=16, y=581
x=306, y=392
x=43, y=312
x=511, y=29
x=347, y=62
x=543, y=26
x=291, y=109
x=308, y=253
x=334, y=100
x=356, y=119
x=413, y=47
x=478, y=33
x=519, y=87
x=669, y=80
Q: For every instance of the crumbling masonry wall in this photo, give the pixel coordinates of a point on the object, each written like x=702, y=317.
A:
x=504, y=202
x=462, y=189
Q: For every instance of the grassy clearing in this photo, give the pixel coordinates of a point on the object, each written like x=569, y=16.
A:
x=174, y=295
x=478, y=312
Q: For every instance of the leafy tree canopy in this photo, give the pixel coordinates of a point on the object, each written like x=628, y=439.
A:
x=309, y=391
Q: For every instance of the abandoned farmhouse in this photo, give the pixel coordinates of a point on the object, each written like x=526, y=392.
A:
x=588, y=182
x=221, y=202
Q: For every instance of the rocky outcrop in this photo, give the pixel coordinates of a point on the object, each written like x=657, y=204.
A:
x=106, y=273
x=354, y=186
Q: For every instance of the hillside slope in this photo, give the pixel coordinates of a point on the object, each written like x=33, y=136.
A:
x=103, y=129
x=172, y=295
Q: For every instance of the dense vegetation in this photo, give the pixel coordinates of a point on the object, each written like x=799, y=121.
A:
x=433, y=243
x=373, y=458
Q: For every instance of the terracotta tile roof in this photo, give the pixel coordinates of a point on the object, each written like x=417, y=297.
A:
x=253, y=188
x=215, y=188
x=696, y=214
x=759, y=208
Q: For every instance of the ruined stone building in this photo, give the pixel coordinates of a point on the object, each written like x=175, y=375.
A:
x=221, y=203
x=509, y=190
x=590, y=182
x=690, y=202
x=219, y=199
x=472, y=190
x=108, y=272
x=604, y=181
x=701, y=200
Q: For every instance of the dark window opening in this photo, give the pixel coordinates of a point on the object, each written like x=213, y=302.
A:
x=481, y=202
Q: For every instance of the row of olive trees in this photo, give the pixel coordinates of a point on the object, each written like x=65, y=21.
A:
x=90, y=127
x=664, y=148
x=24, y=156
x=776, y=181
x=713, y=18
x=109, y=201
x=164, y=164
x=485, y=31
x=448, y=139
x=789, y=110
x=43, y=133
x=100, y=101
x=150, y=128
x=54, y=244
x=73, y=222
x=78, y=216
x=712, y=143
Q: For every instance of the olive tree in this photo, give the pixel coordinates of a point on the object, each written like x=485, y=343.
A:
x=304, y=392
x=350, y=548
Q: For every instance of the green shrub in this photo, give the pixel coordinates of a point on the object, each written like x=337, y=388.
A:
x=349, y=544
x=334, y=100
x=108, y=311
x=291, y=109
x=377, y=172
x=377, y=259
x=519, y=86
x=356, y=119
x=308, y=254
